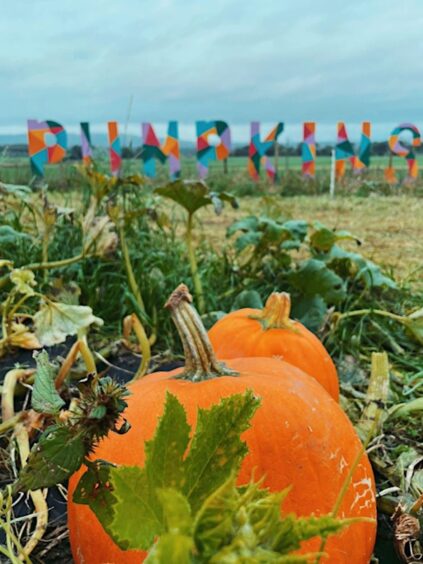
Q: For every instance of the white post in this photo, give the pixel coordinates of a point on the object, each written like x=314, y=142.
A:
x=332, y=175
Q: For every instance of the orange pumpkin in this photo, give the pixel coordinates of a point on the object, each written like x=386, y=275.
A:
x=299, y=436
x=270, y=332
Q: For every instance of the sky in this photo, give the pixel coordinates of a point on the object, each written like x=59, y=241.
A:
x=235, y=60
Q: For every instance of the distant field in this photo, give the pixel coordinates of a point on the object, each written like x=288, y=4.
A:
x=17, y=170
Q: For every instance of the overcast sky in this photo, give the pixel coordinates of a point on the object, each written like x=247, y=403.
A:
x=237, y=60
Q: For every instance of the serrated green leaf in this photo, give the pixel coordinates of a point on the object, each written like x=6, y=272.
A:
x=216, y=449
x=45, y=398
x=55, y=321
x=57, y=455
x=313, y=277
x=214, y=520
x=176, y=509
x=171, y=548
x=164, y=453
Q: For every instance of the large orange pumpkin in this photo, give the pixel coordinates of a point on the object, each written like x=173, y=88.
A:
x=270, y=332
x=299, y=436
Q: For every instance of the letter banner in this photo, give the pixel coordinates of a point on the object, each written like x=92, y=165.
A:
x=152, y=150
x=207, y=152
x=40, y=152
x=258, y=152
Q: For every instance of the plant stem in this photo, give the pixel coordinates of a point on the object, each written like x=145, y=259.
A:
x=381, y=312
x=9, y=423
x=377, y=395
x=198, y=287
x=22, y=440
x=79, y=347
x=406, y=409
x=54, y=264
x=129, y=270
x=200, y=359
x=45, y=253
x=133, y=322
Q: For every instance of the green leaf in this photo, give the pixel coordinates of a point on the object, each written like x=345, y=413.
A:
x=218, y=199
x=323, y=239
x=132, y=509
x=45, y=398
x=191, y=195
x=171, y=548
x=57, y=455
x=164, y=453
x=354, y=265
x=18, y=190
x=214, y=520
x=310, y=310
x=176, y=510
x=247, y=298
x=24, y=281
x=249, y=223
x=216, y=448
x=297, y=228
x=313, y=277
x=9, y=236
x=55, y=321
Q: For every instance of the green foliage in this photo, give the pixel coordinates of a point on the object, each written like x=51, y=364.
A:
x=133, y=514
x=45, y=398
x=191, y=501
x=193, y=195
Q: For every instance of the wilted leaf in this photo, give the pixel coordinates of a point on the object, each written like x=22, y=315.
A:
x=54, y=458
x=22, y=337
x=313, y=277
x=45, y=398
x=55, y=321
x=24, y=280
x=100, y=238
x=414, y=325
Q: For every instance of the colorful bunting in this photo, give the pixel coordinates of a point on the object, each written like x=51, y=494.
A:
x=308, y=149
x=39, y=152
x=345, y=151
x=399, y=149
x=207, y=152
x=115, y=150
x=258, y=153
x=86, y=146
x=152, y=150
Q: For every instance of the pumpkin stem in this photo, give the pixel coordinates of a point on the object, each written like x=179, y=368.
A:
x=275, y=314
x=200, y=359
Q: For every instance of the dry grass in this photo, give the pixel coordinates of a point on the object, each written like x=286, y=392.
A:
x=391, y=228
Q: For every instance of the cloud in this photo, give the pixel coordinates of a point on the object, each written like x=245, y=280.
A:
x=227, y=59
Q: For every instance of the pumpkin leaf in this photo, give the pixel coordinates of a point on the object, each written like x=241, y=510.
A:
x=216, y=448
x=310, y=311
x=247, y=298
x=313, y=277
x=24, y=281
x=45, y=398
x=323, y=239
x=57, y=455
x=20, y=336
x=132, y=510
x=55, y=321
x=193, y=195
x=351, y=264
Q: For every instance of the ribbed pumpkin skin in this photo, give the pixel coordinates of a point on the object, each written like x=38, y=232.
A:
x=237, y=335
x=299, y=437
